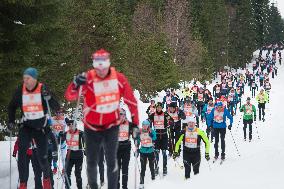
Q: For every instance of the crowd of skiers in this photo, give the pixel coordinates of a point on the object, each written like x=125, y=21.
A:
x=54, y=144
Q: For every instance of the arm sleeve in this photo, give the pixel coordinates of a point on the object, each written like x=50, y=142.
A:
x=179, y=143
x=229, y=116
x=128, y=97
x=14, y=104
x=16, y=146
x=182, y=115
x=154, y=135
x=205, y=140
x=54, y=104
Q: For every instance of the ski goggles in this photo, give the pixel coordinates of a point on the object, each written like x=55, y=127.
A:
x=101, y=63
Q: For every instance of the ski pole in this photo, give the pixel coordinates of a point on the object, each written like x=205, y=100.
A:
x=257, y=131
x=235, y=144
x=78, y=104
x=10, y=132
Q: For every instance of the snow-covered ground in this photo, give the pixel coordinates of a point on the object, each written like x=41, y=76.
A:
x=259, y=166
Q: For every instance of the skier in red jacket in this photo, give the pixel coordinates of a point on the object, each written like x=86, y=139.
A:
x=102, y=87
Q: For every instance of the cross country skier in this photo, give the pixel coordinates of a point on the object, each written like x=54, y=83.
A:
x=145, y=140
x=267, y=88
x=175, y=125
x=32, y=97
x=262, y=99
x=200, y=100
x=102, y=87
x=249, y=113
x=253, y=87
x=75, y=145
x=205, y=116
x=190, y=109
x=160, y=121
x=124, y=147
x=191, y=138
x=218, y=117
x=232, y=101
x=217, y=90
x=152, y=108
x=58, y=125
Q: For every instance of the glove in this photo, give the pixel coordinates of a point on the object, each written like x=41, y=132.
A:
x=255, y=118
x=79, y=80
x=54, y=171
x=230, y=127
x=136, y=154
x=207, y=156
x=175, y=155
x=10, y=126
x=45, y=93
x=14, y=154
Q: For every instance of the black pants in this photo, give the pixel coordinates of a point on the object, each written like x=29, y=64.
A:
x=261, y=110
x=161, y=144
x=101, y=165
x=222, y=133
x=200, y=106
x=108, y=139
x=253, y=92
x=174, y=134
x=191, y=159
x=143, y=159
x=247, y=122
x=70, y=163
x=37, y=171
x=261, y=82
x=210, y=131
x=50, y=158
x=123, y=158
x=25, y=137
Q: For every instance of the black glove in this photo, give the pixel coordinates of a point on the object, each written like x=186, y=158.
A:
x=207, y=156
x=45, y=93
x=175, y=155
x=14, y=154
x=136, y=154
x=255, y=118
x=230, y=127
x=79, y=80
x=10, y=126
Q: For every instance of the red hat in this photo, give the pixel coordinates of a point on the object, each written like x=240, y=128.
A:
x=101, y=54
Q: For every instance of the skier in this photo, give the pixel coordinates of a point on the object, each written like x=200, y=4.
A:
x=102, y=87
x=167, y=100
x=267, y=88
x=194, y=90
x=145, y=140
x=190, y=109
x=232, y=101
x=262, y=99
x=224, y=88
x=249, y=113
x=200, y=100
x=205, y=116
x=75, y=152
x=151, y=109
x=217, y=90
x=239, y=93
x=33, y=98
x=218, y=117
x=191, y=138
x=261, y=79
x=58, y=125
x=253, y=87
x=124, y=148
x=160, y=122
x=175, y=125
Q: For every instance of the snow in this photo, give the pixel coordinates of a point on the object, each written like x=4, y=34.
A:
x=259, y=166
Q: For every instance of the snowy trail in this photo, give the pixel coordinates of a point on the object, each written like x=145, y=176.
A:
x=260, y=165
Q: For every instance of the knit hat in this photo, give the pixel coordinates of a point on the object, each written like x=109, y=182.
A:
x=31, y=72
x=146, y=123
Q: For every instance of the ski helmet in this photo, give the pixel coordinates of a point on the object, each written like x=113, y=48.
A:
x=146, y=123
x=219, y=104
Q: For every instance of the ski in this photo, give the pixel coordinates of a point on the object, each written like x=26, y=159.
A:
x=222, y=161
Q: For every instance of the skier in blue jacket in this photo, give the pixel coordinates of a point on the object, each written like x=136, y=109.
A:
x=205, y=117
x=217, y=120
x=145, y=140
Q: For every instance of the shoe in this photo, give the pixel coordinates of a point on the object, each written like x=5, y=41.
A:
x=165, y=172
x=156, y=171
x=46, y=183
x=223, y=157
x=245, y=139
x=141, y=186
x=23, y=185
x=102, y=183
x=153, y=178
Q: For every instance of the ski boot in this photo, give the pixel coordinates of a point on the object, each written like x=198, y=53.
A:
x=165, y=171
x=23, y=185
x=156, y=171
